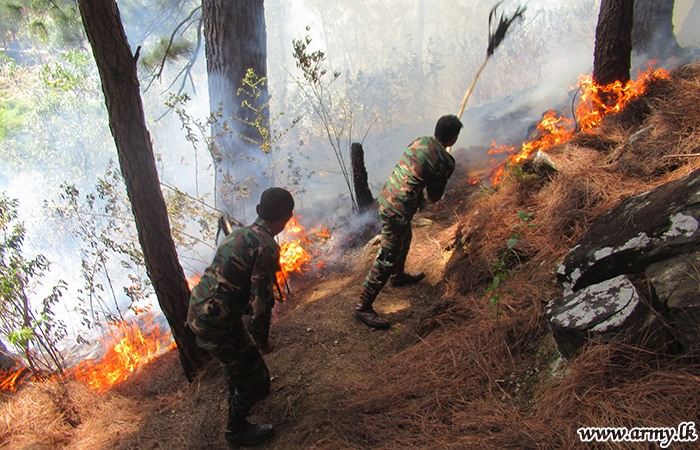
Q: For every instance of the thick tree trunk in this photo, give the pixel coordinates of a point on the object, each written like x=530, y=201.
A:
x=235, y=41
x=117, y=67
x=653, y=29
x=613, y=42
x=359, y=177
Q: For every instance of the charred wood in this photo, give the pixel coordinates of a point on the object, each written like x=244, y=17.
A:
x=363, y=195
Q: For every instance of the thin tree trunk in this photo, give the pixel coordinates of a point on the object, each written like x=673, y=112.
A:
x=117, y=68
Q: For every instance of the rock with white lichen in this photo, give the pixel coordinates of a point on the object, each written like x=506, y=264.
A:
x=612, y=309
x=645, y=229
x=653, y=239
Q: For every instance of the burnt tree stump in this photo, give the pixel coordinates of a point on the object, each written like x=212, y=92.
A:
x=363, y=195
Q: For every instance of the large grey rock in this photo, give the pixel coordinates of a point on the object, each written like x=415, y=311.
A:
x=612, y=309
x=676, y=282
x=643, y=230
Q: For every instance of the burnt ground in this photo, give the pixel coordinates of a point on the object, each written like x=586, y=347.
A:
x=320, y=348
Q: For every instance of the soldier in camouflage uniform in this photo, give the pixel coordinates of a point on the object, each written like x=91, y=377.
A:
x=238, y=282
x=425, y=164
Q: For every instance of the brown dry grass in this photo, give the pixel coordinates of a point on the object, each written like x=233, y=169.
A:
x=61, y=414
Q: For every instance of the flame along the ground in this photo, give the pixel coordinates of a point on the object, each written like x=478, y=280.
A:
x=129, y=344
x=554, y=129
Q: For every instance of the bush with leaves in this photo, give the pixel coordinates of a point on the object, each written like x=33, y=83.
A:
x=35, y=333
x=197, y=131
x=103, y=223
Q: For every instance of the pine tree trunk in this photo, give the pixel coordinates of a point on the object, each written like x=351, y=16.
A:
x=613, y=42
x=117, y=68
x=653, y=29
x=235, y=41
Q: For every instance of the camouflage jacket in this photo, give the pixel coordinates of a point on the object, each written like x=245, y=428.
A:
x=242, y=274
x=424, y=164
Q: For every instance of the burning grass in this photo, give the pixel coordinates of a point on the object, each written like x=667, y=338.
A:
x=477, y=382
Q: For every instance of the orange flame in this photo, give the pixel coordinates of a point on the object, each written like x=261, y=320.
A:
x=194, y=280
x=12, y=377
x=128, y=348
x=590, y=112
x=292, y=254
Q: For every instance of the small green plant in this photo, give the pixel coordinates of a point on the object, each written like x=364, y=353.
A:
x=501, y=270
x=34, y=332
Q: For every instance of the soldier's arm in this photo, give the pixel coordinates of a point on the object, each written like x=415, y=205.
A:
x=262, y=298
x=441, y=172
x=436, y=188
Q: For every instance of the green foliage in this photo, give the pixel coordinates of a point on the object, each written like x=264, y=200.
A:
x=35, y=333
x=31, y=23
x=168, y=50
x=71, y=73
x=59, y=126
x=310, y=63
x=501, y=268
x=197, y=132
x=102, y=222
x=12, y=113
x=251, y=93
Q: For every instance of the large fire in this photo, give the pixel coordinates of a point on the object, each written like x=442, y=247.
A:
x=591, y=109
x=130, y=345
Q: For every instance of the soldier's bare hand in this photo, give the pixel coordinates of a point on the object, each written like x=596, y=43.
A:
x=270, y=347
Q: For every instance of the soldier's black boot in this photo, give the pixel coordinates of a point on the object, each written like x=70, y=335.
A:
x=366, y=314
x=240, y=432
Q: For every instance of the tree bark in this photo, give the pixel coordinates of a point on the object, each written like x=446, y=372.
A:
x=117, y=68
x=235, y=41
x=359, y=176
x=653, y=29
x=613, y=42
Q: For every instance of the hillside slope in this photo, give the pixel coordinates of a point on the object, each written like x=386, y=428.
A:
x=449, y=373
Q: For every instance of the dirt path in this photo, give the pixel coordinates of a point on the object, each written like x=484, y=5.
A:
x=321, y=346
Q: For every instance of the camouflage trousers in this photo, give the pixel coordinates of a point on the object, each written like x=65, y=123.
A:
x=391, y=258
x=243, y=365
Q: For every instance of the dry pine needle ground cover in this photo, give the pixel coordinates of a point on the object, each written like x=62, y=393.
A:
x=448, y=374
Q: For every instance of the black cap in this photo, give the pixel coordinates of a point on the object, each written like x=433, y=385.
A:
x=275, y=204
